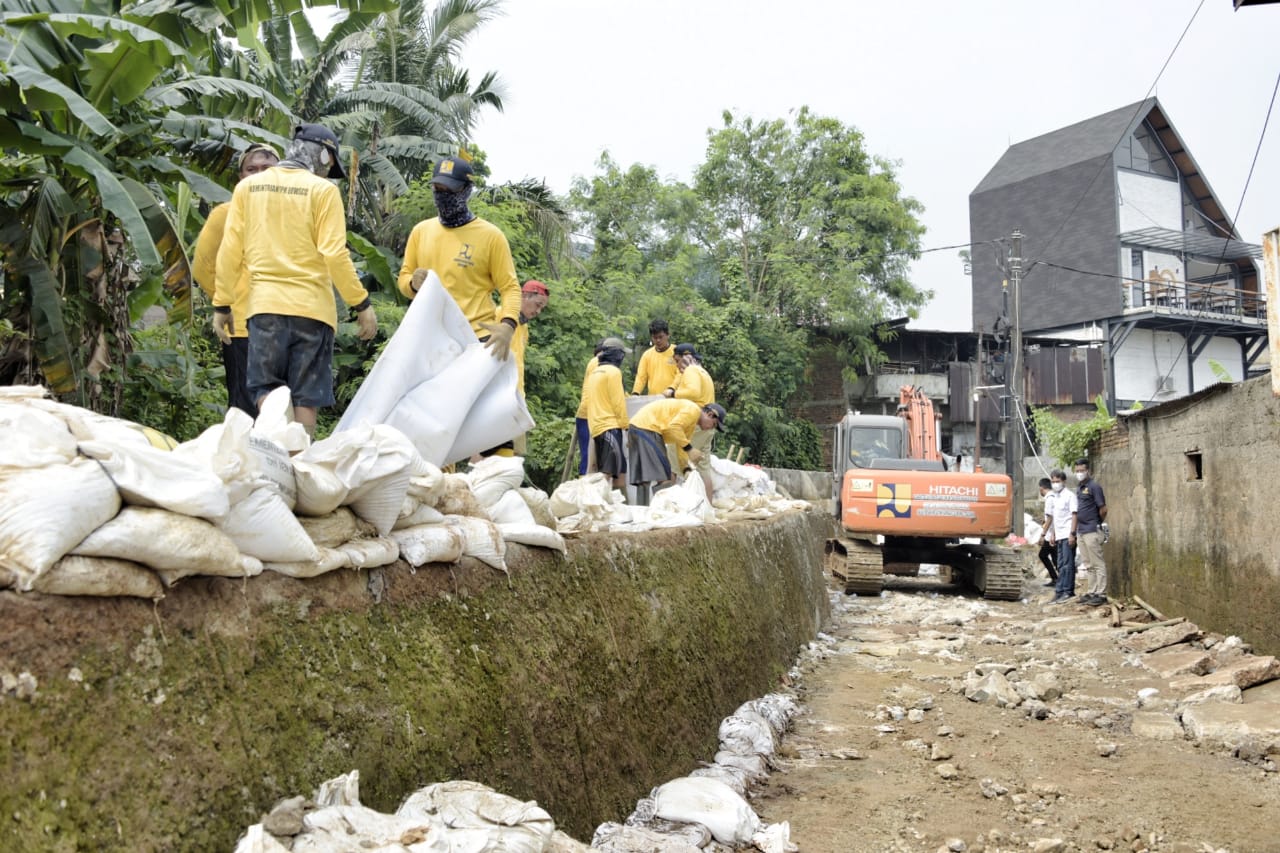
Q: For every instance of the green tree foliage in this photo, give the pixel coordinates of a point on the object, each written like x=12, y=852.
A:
x=1067, y=442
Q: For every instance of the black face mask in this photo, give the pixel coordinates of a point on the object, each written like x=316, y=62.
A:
x=453, y=207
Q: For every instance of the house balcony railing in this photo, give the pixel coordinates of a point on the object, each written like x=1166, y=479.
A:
x=1218, y=298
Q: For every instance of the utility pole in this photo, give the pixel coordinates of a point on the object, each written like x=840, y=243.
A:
x=1013, y=379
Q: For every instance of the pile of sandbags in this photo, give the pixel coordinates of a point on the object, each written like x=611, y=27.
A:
x=710, y=803
x=91, y=505
x=448, y=816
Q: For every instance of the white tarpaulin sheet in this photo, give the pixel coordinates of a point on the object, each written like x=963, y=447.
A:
x=439, y=386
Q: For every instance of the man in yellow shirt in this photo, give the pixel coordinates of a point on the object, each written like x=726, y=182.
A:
x=235, y=355
x=471, y=256
x=694, y=383
x=606, y=407
x=287, y=227
x=657, y=368
x=661, y=423
x=534, y=296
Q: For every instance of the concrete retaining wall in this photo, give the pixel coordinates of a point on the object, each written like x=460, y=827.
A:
x=1199, y=542
x=580, y=682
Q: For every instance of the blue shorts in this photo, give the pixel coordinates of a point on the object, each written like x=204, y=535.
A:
x=292, y=351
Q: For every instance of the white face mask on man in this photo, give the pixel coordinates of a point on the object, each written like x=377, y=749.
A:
x=1080, y=475
x=1057, y=487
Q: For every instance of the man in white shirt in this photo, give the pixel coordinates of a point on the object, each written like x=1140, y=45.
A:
x=1063, y=534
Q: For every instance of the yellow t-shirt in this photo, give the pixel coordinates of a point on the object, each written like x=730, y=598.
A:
x=582, y=405
x=473, y=261
x=675, y=419
x=204, y=264
x=604, y=399
x=657, y=370
x=694, y=383
x=520, y=345
x=287, y=228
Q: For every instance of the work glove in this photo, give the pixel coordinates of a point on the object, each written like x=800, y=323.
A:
x=223, y=326
x=695, y=456
x=366, y=324
x=499, y=342
x=419, y=276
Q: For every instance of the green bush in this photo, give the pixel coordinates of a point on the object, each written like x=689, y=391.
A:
x=1067, y=442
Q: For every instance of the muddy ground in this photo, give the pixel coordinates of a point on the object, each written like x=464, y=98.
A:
x=964, y=775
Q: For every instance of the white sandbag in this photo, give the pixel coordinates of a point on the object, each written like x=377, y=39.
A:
x=479, y=818
x=45, y=512
x=712, y=803
x=359, y=829
x=620, y=838
x=257, y=840
x=224, y=450
x=774, y=838
x=30, y=438
x=532, y=534
x=539, y=503
x=274, y=465
x=429, y=543
x=456, y=498
x=511, y=509
x=588, y=494
x=480, y=539
x=434, y=356
x=754, y=766
x=86, y=425
x=777, y=708
x=341, y=790
x=320, y=490
x=735, y=777
x=687, y=498
x=146, y=476
x=747, y=733
x=373, y=463
x=413, y=513
x=495, y=476
x=327, y=560
x=262, y=526
x=426, y=487
x=99, y=576
x=245, y=567
x=370, y=553
x=729, y=479
x=164, y=540
x=334, y=528
x=275, y=422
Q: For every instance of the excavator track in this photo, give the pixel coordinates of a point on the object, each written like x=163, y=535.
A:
x=998, y=573
x=862, y=569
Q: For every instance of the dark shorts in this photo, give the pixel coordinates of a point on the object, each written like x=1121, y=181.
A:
x=610, y=457
x=235, y=362
x=292, y=351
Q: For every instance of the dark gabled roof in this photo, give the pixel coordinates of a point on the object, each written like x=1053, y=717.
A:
x=1078, y=143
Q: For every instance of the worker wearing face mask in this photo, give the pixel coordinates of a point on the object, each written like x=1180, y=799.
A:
x=470, y=255
x=1089, y=534
x=1062, y=533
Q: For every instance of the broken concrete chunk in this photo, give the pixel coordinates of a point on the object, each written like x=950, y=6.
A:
x=1242, y=672
x=996, y=689
x=1177, y=660
x=1230, y=726
x=1156, y=726
x=1158, y=638
x=1220, y=693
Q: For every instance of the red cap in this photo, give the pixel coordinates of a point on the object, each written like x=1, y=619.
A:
x=535, y=286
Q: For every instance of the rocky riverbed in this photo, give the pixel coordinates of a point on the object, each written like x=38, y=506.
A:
x=936, y=721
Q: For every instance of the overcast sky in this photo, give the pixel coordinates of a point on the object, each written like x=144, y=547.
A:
x=941, y=88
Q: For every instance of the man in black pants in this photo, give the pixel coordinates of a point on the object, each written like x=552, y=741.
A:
x=1048, y=551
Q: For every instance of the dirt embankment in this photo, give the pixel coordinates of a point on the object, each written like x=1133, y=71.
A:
x=905, y=745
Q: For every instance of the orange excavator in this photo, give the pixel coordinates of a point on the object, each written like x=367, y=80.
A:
x=899, y=506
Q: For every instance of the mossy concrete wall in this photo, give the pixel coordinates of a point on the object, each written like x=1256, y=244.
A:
x=1199, y=542
x=580, y=681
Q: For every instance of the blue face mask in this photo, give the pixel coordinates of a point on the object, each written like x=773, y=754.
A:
x=452, y=207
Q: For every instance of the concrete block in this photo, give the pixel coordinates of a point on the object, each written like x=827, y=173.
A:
x=1222, y=724
x=1177, y=660
x=1158, y=638
x=1157, y=726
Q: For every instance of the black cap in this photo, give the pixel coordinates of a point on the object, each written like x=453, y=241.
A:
x=687, y=349
x=717, y=410
x=322, y=135
x=453, y=172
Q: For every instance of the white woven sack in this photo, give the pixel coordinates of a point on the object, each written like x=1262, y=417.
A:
x=495, y=476
x=532, y=534
x=332, y=529
x=327, y=560
x=426, y=488
x=429, y=543
x=747, y=733
x=275, y=422
x=373, y=463
x=146, y=476
x=99, y=576
x=480, y=819
x=246, y=567
x=262, y=526
x=511, y=509
x=30, y=438
x=371, y=553
x=539, y=504
x=709, y=802
x=45, y=512
x=480, y=539
x=413, y=514
x=754, y=765
x=589, y=494
x=164, y=540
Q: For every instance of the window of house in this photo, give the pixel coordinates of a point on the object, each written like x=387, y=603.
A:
x=1143, y=152
x=1195, y=465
